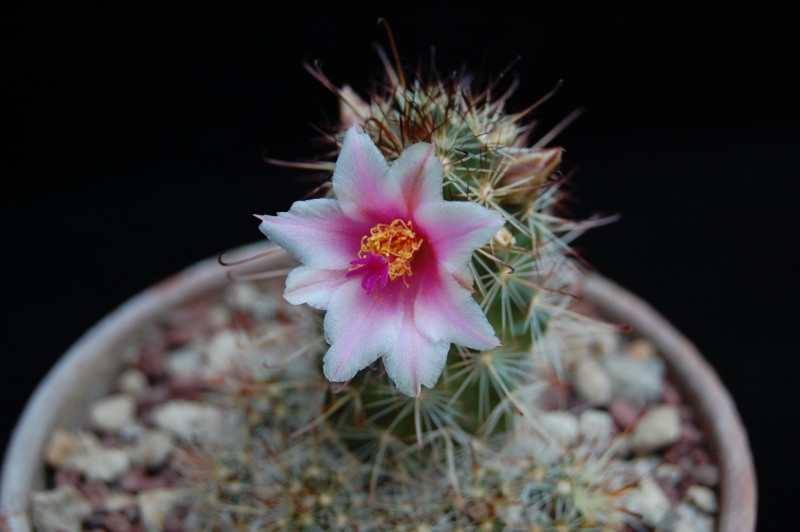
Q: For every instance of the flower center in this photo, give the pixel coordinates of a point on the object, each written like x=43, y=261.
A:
x=386, y=254
x=396, y=242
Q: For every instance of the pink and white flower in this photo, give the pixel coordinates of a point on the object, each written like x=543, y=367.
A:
x=388, y=260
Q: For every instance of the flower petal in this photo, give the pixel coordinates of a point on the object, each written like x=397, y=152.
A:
x=444, y=310
x=316, y=233
x=457, y=228
x=360, y=328
x=419, y=174
x=414, y=360
x=312, y=286
x=360, y=179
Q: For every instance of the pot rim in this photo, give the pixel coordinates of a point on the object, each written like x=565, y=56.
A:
x=715, y=408
x=22, y=462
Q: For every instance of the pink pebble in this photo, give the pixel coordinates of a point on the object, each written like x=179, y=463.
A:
x=117, y=522
x=624, y=414
x=670, y=394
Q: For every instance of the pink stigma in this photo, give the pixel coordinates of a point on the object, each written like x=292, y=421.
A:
x=374, y=268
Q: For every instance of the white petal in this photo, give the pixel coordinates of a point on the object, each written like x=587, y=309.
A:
x=359, y=328
x=419, y=174
x=444, y=310
x=360, y=179
x=457, y=228
x=415, y=360
x=311, y=286
x=316, y=233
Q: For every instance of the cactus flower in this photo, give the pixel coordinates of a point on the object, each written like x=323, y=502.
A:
x=388, y=260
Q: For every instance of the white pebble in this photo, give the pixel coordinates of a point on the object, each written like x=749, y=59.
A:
x=621, y=445
x=703, y=498
x=83, y=452
x=644, y=466
x=185, y=362
x=687, y=518
x=189, y=420
x=605, y=343
x=637, y=381
x=561, y=426
x=250, y=298
x=61, y=448
x=596, y=344
x=219, y=316
x=116, y=502
x=647, y=500
x=104, y=464
x=530, y=439
x=59, y=510
x=658, y=428
x=132, y=381
x=225, y=352
x=112, y=413
x=132, y=432
x=596, y=427
x=155, y=505
x=152, y=449
x=670, y=474
x=591, y=382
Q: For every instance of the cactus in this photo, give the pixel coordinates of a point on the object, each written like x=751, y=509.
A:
x=487, y=440
x=469, y=452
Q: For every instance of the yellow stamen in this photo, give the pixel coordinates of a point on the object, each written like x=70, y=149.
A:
x=396, y=242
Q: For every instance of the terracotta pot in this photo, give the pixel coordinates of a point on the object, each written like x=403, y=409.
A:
x=84, y=374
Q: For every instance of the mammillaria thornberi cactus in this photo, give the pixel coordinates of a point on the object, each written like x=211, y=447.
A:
x=451, y=301
x=456, y=379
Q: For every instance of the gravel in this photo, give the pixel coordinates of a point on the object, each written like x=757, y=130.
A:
x=125, y=470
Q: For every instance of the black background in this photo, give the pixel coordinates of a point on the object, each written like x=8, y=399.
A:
x=134, y=139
